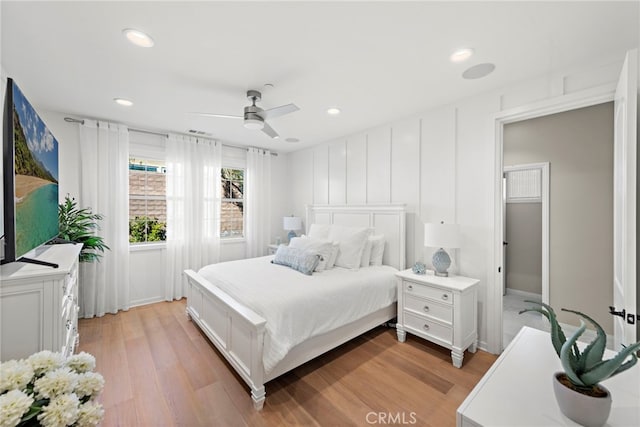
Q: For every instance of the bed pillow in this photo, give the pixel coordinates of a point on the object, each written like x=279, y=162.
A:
x=377, y=249
x=335, y=248
x=322, y=247
x=300, y=260
x=366, y=253
x=319, y=231
x=352, y=241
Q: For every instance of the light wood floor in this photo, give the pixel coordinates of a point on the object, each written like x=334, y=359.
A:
x=161, y=370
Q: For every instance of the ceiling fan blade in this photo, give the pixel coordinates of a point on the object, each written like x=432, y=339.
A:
x=269, y=131
x=279, y=111
x=224, y=116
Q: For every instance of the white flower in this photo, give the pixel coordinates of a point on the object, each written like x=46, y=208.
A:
x=82, y=362
x=61, y=411
x=13, y=405
x=15, y=375
x=45, y=361
x=54, y=383
x=89, y=384
x=90, y=414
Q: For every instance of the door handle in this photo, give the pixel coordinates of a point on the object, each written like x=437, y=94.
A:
x=612, y=311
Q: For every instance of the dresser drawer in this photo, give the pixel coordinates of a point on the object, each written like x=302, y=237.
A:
x=425, y=291
x=424, y=326
x=429, y=308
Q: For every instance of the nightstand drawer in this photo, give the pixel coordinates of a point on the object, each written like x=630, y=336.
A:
x=429, y=308
x=441, y=295
x=427, y=327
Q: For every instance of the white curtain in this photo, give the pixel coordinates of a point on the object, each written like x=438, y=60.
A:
x=193, y=208
x=257, y=196
x=104, y=150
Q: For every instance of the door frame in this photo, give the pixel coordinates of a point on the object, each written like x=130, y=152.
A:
x=559, y=104
x=544, y=190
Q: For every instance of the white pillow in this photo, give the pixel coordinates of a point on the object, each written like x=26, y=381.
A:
x=352, y=241
x=319, y=231
x=377, y=249
x=335, y=248
x=366, y=253
x=324, y=248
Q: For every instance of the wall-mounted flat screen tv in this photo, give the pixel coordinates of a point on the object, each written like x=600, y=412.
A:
x=30, y=177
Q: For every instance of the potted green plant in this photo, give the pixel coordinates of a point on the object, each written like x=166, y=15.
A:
x=578, y=391
x=79, y=226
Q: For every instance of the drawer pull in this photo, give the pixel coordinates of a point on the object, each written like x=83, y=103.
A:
x=410, y=287
x=425, y=327
x=426, y=308
x=445, y=297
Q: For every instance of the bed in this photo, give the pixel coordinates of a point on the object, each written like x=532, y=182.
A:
x=248, y=332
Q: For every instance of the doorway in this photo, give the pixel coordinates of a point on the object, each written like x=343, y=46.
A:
x=578, y=144
x=526, y=246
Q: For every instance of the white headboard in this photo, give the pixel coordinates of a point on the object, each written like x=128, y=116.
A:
x=384, y=219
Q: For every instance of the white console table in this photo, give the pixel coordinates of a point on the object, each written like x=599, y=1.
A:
x=39, y=304
x=518, y=390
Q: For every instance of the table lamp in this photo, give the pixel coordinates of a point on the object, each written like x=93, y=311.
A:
x=292, y=223
x=441, y=236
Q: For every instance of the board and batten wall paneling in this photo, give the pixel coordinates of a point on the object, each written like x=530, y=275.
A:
x=378, y=167
x=338, y=173
x=357, y=169
x=405, y=179
x=300, y=183
x=475, y=160
x=321, y=175
x=438, y=175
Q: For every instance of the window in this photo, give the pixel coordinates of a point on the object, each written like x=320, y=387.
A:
x=147, y=200
x=232, y=209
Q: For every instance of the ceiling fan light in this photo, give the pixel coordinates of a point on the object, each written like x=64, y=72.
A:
x=253, y=124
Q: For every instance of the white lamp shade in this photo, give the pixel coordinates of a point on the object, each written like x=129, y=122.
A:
x=292, y=223
x=442, y=235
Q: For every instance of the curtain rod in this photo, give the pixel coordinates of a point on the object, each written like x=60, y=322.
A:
x=72, y=120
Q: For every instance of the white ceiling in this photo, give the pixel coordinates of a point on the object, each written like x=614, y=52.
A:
x=377, y=61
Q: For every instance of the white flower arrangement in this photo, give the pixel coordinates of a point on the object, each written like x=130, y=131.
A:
x=50, y=391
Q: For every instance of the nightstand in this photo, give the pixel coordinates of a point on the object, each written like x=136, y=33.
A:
x=442, y=310
x=271, y=249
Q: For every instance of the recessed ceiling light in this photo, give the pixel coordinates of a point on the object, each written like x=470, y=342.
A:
x=479, y=71
x=123, y=101
x=292, y=140
x=334, y=111
x=138, y=38
x=461, y=54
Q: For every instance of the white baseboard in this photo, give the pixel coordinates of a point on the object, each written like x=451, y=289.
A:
x=528, y=295
x=145, y=301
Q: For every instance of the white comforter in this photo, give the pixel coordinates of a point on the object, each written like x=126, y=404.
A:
x=298, y=307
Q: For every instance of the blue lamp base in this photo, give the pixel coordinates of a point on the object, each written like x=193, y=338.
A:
x=291, y=235
x=441, y=262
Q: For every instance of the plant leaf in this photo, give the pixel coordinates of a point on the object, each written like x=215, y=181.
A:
x=608, y=368
x=565, y=356
x=593, y=353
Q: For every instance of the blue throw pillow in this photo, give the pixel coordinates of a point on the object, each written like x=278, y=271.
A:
x=298, y=259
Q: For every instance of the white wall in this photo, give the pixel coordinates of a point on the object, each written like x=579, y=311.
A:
x=441, y=163
x=147, y=280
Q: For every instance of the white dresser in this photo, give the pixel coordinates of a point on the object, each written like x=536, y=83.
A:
x=518, y=390
x=442, y=310
x=39, y=304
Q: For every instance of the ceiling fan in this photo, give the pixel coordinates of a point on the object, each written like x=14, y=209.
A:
x=255, y=117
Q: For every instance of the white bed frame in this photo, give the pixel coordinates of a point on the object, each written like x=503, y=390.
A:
x=238, y=332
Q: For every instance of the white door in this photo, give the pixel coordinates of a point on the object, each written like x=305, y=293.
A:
x=624, y=201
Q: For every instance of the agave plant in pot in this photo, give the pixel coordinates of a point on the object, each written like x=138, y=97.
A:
x=578, y=391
